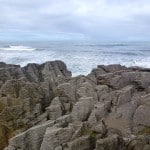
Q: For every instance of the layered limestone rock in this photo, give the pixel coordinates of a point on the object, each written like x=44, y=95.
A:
x=25, y=93
x=43, y=108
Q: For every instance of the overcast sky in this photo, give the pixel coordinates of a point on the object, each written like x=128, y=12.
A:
x=75, y=19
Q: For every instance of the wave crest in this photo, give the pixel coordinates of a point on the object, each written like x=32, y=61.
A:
x=17, y=48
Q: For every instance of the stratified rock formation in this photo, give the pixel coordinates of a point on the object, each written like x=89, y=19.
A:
x=43, y=108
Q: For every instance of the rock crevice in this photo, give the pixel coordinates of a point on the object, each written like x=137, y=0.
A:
x=43, y=108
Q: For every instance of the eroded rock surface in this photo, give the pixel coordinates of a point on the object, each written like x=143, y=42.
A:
x=25, y=93
x=43, y=108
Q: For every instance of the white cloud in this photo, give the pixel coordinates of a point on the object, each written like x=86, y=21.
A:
x=97, y=19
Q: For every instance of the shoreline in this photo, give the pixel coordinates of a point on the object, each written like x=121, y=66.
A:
x=79, y=57
x=134, y=67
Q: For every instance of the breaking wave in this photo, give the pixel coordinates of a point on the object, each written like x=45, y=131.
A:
x=17, y=48
x=79, y=58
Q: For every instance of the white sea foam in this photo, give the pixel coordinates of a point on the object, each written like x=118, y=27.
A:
x=79, y=59
x=145, y=62
x=17, y=48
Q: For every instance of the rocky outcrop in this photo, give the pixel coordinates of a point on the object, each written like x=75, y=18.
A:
x=25, y=93
x=43, y=108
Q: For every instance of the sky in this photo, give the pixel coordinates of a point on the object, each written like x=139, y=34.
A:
x=75, y=19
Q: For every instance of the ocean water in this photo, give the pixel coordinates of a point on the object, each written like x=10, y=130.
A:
x=80, y=56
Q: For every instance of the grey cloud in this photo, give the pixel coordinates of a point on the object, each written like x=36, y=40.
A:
x=108, y=19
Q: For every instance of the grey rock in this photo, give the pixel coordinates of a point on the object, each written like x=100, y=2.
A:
x=82, y=109
x=82, y=143
x=113, y=142
x=55, y=137
x=30, y=139
x=141, y=117
x=43, y=108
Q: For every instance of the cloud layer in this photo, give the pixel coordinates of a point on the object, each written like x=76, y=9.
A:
x=64, y=19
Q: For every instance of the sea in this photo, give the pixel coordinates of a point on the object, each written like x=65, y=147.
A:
x=80, y=56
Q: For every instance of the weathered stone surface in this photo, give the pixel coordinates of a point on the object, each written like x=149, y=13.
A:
x=30, y=139
x=55, y=137
x=125, y=95
x=113, y=142
x=82, y=143
x=43, y=108
x=25, y=93
x=141, y=118
x=54, y=111
x=82, y=109
x=140, y=143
